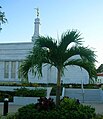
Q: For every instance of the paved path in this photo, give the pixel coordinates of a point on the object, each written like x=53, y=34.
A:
x=13, y=108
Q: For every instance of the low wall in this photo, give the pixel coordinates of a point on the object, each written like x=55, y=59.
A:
x=12, y=88
x=85, y=95
x=25, y=100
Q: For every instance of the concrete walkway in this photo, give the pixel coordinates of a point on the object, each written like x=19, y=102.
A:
x=13, y=108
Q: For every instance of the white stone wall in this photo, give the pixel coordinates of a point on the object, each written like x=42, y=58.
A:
x=75, y=74
x=18, y=51
x=14, y=51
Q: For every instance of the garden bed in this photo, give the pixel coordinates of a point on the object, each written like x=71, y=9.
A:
x=23, y=95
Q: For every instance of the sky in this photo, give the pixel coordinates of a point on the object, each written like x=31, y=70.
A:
x=56, y=17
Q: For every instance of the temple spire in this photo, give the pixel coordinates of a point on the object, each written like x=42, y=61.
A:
x=37, y=9
x=36, y=26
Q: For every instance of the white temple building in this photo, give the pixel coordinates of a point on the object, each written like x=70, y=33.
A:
x=12, y=54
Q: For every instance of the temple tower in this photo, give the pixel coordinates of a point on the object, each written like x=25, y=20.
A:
x=36, y=26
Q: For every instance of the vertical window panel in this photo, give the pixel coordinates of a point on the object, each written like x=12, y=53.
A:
x=6, y=69
x=13, y=69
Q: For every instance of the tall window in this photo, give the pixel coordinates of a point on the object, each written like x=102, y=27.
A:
x=19, y=74
x=13, y=69
x=6, y=69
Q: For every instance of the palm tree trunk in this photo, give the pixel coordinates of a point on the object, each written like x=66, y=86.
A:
x=58, y=90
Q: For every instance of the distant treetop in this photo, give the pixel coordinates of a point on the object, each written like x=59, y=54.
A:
x=100, y=69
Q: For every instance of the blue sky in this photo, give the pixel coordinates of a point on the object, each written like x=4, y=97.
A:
x=56, y=16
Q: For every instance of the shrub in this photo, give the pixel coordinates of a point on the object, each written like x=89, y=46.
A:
x=98, y=116
x=72, y=110
x=9, y=93
x=30, y=111
x=30, y=84
x=27, y=111
x=68, y=109
x=45, y=104
x=30, y=93
x=22, y=92
x=11, y=116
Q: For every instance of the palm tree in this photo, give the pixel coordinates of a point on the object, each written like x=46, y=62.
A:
x=2, y=18
x=47, y=50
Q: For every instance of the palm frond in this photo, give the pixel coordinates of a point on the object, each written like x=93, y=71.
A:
x=87, y=54
x=25, y=66
x=84, y=52
x=34, y=61
x=51, y=48
x=88, y=66
x=70, y=37
x=46, y=42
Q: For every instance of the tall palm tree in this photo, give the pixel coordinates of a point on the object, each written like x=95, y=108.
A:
x=2, y=18
x=47, y=50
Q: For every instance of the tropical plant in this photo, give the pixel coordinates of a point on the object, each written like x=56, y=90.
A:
x=100, y=69
x=68, y=109
x=2, y=18
x=47, y=50
x=45, y=104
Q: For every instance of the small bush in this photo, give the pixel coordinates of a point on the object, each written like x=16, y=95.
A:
x=30, y=111
x=24, y=92
x=30, y=93
x=98, y=116
x=9, y=93
x=45, y=104
x=68, y=109
x=11, y=116
x=30, y=85
x=27, y=111
x=73, y=110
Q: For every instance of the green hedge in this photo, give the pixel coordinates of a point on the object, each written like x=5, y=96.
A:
x=10, y=95
x=16, y=116
x=30, y=93
x=24, y=92
x=68, y=109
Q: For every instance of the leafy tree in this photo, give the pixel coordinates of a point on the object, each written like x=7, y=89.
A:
x=47, y=50
x=100, y=69
x=2, y=18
